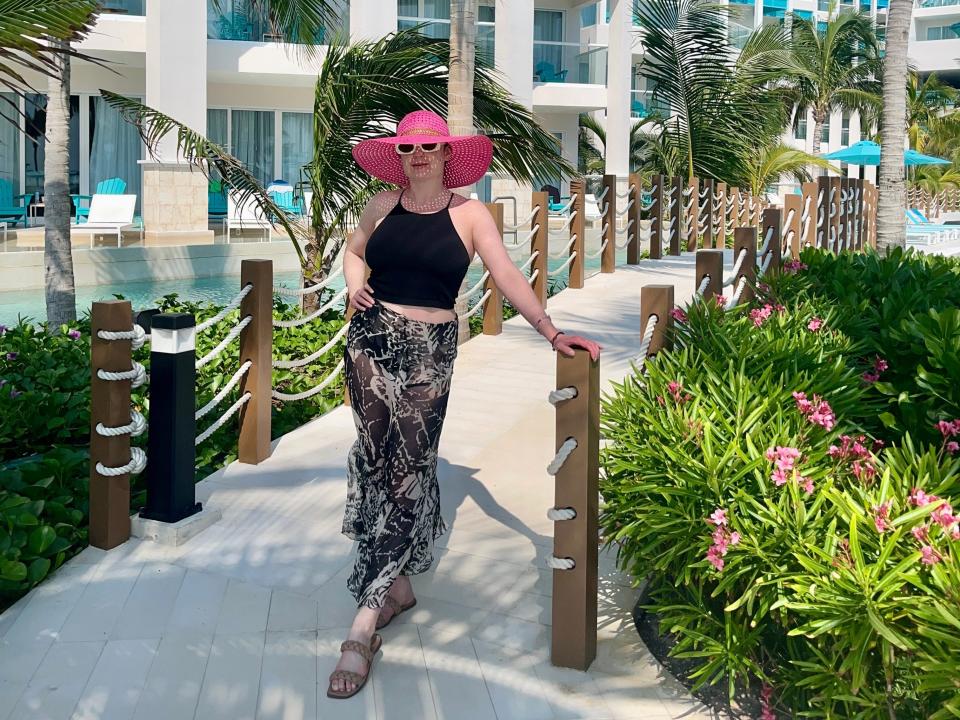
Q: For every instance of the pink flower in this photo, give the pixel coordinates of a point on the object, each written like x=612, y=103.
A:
x=818, y=410
x=718, y=517
x=73, y=334
x=721, y=300
x=921, y=533
x=946, y=428
x=779, y=308
x=806, y=484
x=952, y=446
x=803, y=405
x=679, y=315
x=766, y=695
x=955, y=532
x=715, y=558
x=878, y=445
x=815, y=324
x=881, y=515
x=779, y=477
x=919, y=498
x=880, y=365
x=760, y=315
x=734, y=538
x=870, y=377
x=793, y=266
x=929, y=556
x=943, y=515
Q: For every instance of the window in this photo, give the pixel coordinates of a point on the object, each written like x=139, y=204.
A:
x=801, y=131
x=252, y=141
x=10, y=141
x=845, y=130
x=825, y=132
x=217, y=127
x=548, y=55
x=36, y=127
x=115, y=148
x=129, y=7
x=588, y=15
x=297, y=144
x=941, y=32
x=435, y=15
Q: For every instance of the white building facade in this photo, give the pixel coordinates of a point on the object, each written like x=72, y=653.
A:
x=223, y=76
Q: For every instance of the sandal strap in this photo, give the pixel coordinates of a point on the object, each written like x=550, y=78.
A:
x=358, y=647
x=349, y=676
x=391, y=602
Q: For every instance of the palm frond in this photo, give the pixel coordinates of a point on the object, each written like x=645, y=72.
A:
x=770, y=164
x=152, y=126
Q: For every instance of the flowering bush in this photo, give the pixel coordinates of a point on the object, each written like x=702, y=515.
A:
x=792, y=539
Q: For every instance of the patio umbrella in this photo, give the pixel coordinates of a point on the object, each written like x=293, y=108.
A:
x=912, y=157
x=864, y=152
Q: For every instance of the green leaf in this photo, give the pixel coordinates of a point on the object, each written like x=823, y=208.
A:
x=41, y=539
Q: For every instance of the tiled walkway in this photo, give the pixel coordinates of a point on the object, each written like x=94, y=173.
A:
x=245, y=619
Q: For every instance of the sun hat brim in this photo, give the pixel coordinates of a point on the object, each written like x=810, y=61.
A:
x=469, y=160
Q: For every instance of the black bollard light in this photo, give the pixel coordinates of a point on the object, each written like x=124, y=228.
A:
x=173, y=427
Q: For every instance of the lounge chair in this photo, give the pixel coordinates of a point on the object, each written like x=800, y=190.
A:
x=546, y=72
x=286, y=202
x=111, y=186
x=13, y=206
x=109, y=215
x=916, y=221
x=244, y=215
x=638, y=109
x=591, y=208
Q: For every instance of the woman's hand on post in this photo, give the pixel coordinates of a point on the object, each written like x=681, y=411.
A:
x=567, y=344
x=362, y=299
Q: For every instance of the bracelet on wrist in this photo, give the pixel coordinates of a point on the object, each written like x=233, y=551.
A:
x=554, y=338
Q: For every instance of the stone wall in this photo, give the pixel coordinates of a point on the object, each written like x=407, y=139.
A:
x=174, y=198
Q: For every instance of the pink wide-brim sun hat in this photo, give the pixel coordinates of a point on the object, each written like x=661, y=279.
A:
x=469, y=160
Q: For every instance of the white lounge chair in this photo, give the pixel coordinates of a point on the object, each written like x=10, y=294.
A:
x=109, y=215
x=245, y=215
x=591, y=209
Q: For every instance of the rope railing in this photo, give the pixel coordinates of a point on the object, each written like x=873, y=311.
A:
x=223, y=344
x=602, y=195
x=137, y=375
x=625, y=195
x=301, y=292
x=788, y=221
x=736, y=269
x=566, y=224
x=219, y=422
x=522, y=223
x=564, y=266
x=735, y=299
x=138, y=461
x=566, y=449
x=476, y=287
x=621, y=213
x=312, y=316
x=562, y=394
x=702, y=287
x=479, y=305
x=290, y=364
x=596, y=254
x=224, y=391
x=137, y=426
x=533, y=276
x=563, y=208
x=533, y=256
x=137, y=336
x=564, y=250
x=766, y=242
x=292, y=397
x=641, y=357
x=227, y=309
x=560, y=514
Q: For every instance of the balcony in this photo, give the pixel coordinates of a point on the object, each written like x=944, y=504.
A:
x=644, y=104
x=440, y=28
x=124, y=7
x=562, y=62
x=923, y=4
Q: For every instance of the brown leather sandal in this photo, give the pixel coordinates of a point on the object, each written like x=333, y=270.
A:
x=367, y=653
x=397, y=608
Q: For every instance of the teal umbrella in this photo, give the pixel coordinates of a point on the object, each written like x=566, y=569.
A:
x=912, y=157
x=864, y=152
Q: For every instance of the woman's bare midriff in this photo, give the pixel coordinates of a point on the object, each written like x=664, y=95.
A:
x=421, y=313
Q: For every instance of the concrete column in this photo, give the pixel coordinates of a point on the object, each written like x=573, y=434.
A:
x=619, y=66
x=372, y=19
x=513, y=48
x=174, y=193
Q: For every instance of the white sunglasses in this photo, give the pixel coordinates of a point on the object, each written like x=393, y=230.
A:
x=410, y=148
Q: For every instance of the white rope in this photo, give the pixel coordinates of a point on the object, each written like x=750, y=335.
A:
x=641, y=357
x=561, y=394
x=602, y=195
x=136, y=426
x=473, y=311
x=568, y=446
x=704, y=190
x=624, y=196
x=565, y=225
x=137, y=375
x=533, y=276
x=300, y=292
x=230, y=307
x=476, y=287
x=222, y=345
x=736, y=268
x=688, y=190
x=566, y=207
x=520, y=224
x=289, y=364
x=560, y=563
x=732, y=302
x=598, y=253
x=243, y=400
x=137, y=336
x=623, y=212
x=529, y=235
x=624, y=229
x=138, y=461
x=704, y=284
x=560, y=514
x=786, y=223
x=766, y=263
x=766, y=241
x=606, y=226
x=564, y=250
x=312, y=316
x=312, y=391
x=533, y=256
x=563, y=267
x=224, y=390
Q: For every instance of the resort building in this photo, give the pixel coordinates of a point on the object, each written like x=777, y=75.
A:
x=209, y=66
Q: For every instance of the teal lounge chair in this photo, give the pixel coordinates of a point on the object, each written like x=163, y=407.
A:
x=13, y=206
x=111, y=186
x=638, y=109
x=216, y=204
x=284, y=200
x=546, y=72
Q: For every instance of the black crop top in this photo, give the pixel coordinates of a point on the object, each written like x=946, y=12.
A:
x=417, y=259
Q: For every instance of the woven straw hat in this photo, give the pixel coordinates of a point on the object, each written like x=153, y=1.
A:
x=470, y=154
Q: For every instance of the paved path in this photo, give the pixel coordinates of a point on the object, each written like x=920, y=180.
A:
x=244, y=620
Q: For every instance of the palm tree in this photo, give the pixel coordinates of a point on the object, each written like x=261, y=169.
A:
x=833, y=67
x=929, y=102
x=593, y=139
x=891, y=230
x=771, y=163
x=723, y=105
x=37, y=36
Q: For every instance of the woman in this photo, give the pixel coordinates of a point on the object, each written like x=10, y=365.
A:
x=418, y=242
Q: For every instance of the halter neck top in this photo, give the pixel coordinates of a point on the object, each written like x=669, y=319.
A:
x=417, y=259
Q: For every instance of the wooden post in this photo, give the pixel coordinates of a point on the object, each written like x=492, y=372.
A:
x=771, y=224
x=707, y=212
x=843, y=215
x=809, y=215
x=538, y=244
x=793, y=207
x=692, y=214
x=710, y=263
x=633, y=231
x=657, y=300
x=493, y=307
x=256, y=345
x=608, y=225
x=756, y=208
x=109, y=405
x=745, y=239
x=574, y=605
x=720, y=210
x=656, y=217
x=676, y=215
x=872, y=216
x=578, y=229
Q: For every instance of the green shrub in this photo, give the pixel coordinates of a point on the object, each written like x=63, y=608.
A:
x=783, y=547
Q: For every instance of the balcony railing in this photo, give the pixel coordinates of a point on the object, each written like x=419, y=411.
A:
x=643, y=104
x=561, y=62
x=936, y=3
x=125, y=7
x=738, y=34
x=241, y=24
x=440, y=28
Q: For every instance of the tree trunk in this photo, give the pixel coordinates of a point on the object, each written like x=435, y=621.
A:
x=57, y=255
x=463, y=47
x=818, y=119
x=891, y=207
